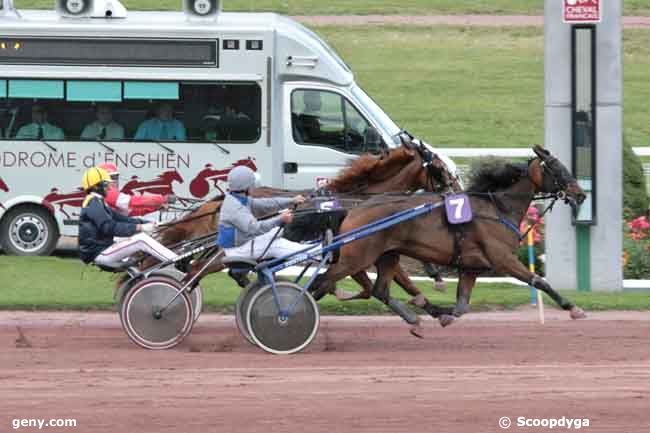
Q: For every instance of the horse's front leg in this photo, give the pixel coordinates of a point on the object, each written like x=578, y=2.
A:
x=511, y=264
x=466, y=283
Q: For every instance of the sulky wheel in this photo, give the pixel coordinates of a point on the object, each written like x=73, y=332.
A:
x=277, y=333
x=148, y=317
x=243, y=301
x=196, y=295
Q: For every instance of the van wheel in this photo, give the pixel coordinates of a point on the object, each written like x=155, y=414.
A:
x=28, y=231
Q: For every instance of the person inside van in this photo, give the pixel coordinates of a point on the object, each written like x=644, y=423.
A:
x=163, y=127
x=98, y=225
x=307, y=128
x=210, y=124
x=40, y=128
x=104, y=128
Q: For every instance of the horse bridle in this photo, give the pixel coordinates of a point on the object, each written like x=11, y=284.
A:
x=433, y=172
x=560, y=183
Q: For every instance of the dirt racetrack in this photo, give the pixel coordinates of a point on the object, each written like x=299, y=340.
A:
x=360, y=375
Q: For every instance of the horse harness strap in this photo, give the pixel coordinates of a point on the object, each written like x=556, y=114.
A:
x=459, y=237
x=509, y=224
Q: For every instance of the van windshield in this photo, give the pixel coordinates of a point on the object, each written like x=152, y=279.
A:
x=378, y=114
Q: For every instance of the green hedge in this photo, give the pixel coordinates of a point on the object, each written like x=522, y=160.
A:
x=635, y=197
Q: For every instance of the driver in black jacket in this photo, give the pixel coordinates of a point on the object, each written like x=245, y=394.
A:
x=98, y=225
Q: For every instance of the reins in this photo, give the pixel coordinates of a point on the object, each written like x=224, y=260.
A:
x=170, y=224
x=556, y=197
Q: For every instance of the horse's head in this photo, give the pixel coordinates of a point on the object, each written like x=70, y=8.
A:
x=435, y=174
x=172, y=175
x=551, y=176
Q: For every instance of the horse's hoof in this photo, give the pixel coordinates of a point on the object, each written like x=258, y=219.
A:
x=418, y=301
x=577, y=313
x=342, y=295
x=440, y=286
x=417, y=331
x=446, y=320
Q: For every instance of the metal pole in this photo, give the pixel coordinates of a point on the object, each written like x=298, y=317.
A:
x=531, y=264
x=536, y=295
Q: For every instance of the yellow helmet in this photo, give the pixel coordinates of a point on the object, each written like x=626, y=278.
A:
x=94, y=177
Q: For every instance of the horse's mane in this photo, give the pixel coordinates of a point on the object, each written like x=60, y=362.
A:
x=490, y=174
x=369, y=168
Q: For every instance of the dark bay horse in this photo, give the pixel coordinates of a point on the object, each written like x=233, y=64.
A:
x=407, y=168
x=499, y=194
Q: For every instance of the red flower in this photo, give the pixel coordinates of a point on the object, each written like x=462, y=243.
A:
x=640, y=223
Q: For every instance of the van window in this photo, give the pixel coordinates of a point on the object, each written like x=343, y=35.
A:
x=116, y=110
x=323, y=118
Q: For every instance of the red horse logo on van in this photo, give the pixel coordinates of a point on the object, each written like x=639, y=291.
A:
x=73, y=199
x=160, y=185
x=200, y=186
x=5, y=188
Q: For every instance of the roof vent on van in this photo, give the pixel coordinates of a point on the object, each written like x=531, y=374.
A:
x=7, y=9
x=90, y=9
x=201, y=9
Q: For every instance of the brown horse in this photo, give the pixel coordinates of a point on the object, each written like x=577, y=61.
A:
x=499, y=196
x=407, y=168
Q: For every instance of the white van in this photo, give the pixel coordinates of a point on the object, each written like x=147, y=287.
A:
x=246, y=88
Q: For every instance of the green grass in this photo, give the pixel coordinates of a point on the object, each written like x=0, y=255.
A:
x=472, y=86
x=636, y=64
x=365, y=7
x=50, y=283
x=453, y=86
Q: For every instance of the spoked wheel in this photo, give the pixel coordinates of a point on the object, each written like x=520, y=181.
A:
x=148, y=317
x=196, y=295
x=278, y=333
x=243, y=301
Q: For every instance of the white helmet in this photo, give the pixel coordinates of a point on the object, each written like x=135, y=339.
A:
x=241, y=178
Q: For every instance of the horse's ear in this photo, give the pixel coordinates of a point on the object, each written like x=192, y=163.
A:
x=541, y=152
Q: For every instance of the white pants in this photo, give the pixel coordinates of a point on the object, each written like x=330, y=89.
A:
x=255, y=247
x=113, y=255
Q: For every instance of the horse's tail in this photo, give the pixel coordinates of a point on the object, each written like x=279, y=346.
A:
x=123, y=278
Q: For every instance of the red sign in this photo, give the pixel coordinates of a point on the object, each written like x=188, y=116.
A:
x=581, y=11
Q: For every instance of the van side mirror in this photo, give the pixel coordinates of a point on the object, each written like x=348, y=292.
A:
x=373, y=140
